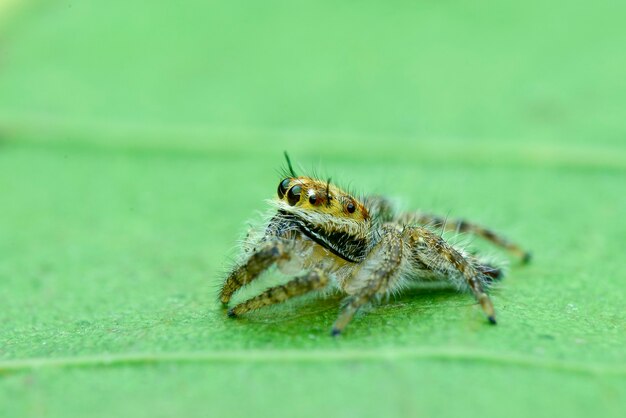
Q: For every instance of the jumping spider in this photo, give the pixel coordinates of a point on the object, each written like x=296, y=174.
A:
x=365, y=248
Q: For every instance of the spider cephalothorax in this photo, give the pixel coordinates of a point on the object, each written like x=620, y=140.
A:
x=365, y=248
x=325, y=214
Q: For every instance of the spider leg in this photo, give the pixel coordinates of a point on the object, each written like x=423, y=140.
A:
x=261, y=259
x=491, y=273
x=312, y=280
x=430, y=250
x=460, y=225
x=377, y=275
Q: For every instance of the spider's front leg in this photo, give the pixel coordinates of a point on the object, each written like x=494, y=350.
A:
x=270, y=252
x=377, y=275
x=431, y=251
x=310, y=281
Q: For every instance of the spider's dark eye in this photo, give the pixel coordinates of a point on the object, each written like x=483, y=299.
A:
x=282, y=188
x=293, y=195
x=350, y=207
x=312, y=199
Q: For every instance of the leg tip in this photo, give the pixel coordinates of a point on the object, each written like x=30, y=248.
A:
x=335, y=332
x=231, y=313
x=492, y=320
x=527, y=258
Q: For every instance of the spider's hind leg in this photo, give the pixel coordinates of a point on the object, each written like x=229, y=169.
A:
x=310, y=281
x=431, y=251
x=459, y=225
x=490, y=273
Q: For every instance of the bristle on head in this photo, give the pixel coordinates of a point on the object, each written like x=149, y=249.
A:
x=289, y=166
x=328, y=192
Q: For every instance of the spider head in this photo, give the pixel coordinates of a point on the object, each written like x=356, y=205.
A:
x=305, y=194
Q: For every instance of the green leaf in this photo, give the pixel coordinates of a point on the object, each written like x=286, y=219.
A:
x=138, y=139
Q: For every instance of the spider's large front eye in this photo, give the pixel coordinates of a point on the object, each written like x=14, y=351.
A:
x=293, y=195
x=282, y=188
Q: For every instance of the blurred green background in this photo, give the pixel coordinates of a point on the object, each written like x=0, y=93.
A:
x=137, y=139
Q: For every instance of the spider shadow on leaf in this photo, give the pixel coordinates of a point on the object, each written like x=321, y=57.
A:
x=413, y=300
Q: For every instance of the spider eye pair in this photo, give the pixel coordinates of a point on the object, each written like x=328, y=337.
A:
x=293, y=194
